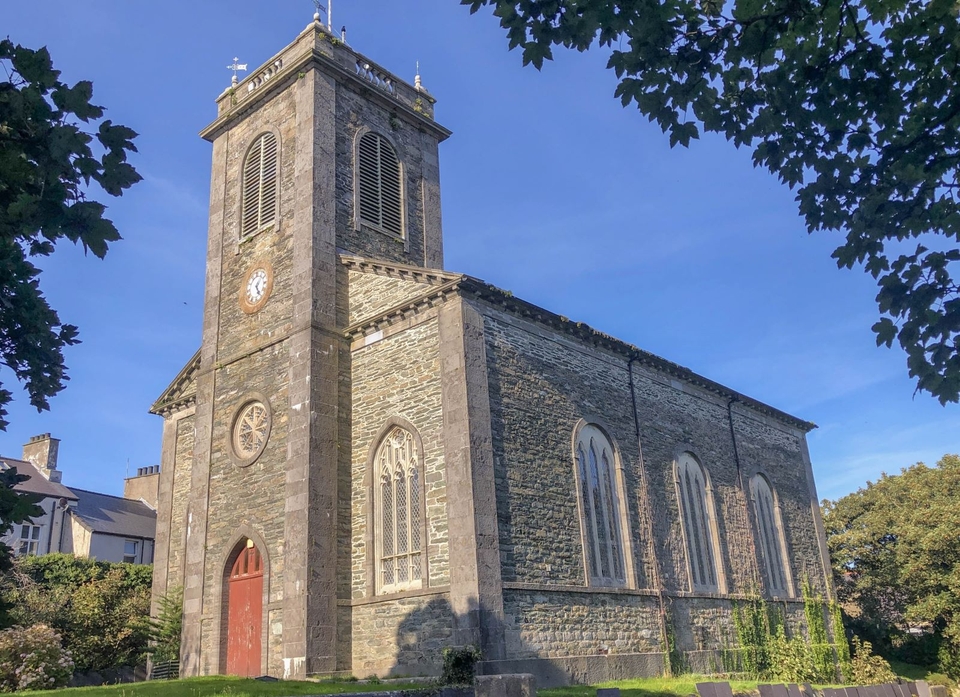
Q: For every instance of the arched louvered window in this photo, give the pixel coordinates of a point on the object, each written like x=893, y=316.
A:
x=399, y=520
x=772, y=547
x=699, y=524
x=258, y=209
x=380, y=191
x=600, y=507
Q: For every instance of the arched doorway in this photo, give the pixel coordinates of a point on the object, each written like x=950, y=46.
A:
x=245, y=612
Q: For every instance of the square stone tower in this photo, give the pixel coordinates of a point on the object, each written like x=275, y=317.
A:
x=317, y=150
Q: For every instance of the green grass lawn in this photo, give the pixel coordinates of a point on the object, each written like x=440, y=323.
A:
x=910, y=671
x=681, y=686
x=649, y=687
x=219, y=685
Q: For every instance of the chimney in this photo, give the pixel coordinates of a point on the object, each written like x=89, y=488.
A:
x=145, y=486
x=41, y=452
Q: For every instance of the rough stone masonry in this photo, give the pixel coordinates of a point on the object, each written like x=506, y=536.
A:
x=422, y=460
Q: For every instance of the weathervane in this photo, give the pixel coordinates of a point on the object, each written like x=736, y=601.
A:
x=235, y=67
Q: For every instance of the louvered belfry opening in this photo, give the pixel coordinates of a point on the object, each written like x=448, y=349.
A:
x=259, y=207
x=380, y=198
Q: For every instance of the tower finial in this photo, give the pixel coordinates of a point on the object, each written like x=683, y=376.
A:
x=416, y=80
x=235, y=67
x=319, y=8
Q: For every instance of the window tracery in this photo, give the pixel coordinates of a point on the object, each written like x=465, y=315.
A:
x=600, y=507
x=772, y=547
x=699, y=525
x=399, y=491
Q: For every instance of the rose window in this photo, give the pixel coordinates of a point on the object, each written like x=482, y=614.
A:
x=250, y=430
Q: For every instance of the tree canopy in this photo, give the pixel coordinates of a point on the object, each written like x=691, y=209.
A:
x=853, y=103
x=895, y=550
x=47, y=171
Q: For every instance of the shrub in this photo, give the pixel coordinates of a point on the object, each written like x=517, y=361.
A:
x=33, y=659
x=459, y=665
x=941, y=679
x=100, y=609
x=867, y=668
x=165, y=629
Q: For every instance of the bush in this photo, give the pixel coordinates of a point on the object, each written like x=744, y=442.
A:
x=166, y=628
x=33, y=659
x=459, y=665
x=867, y=668
x=100, y=609
x=940, y=679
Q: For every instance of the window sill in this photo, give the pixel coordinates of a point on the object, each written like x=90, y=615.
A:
x=398, y=595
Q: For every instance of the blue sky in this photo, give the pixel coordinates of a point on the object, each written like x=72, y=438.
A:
x=550, y=189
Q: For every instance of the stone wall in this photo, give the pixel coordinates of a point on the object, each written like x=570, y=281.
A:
x=371, y=294
x=396, y=380
x=541, y=384
x=540, y=387
x=403, y=636
x=248, y=359
x=183, y=464
x=547, y=623
x=415, y=150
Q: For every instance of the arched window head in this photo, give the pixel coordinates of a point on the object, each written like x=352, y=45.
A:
x=399, y=521
x=600, y=507
x=379, y=187
x=772, y=546
x=699, y=524
x=258, y=209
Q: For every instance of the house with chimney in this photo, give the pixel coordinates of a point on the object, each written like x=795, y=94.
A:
x=78, y=521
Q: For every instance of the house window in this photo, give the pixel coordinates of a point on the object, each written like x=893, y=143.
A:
x=379, y=189
x=130, y=551
x=399, y=524
x=258, y=208
x=600, y=507
x=699, y=523
x=29, y=542
x=772, y=546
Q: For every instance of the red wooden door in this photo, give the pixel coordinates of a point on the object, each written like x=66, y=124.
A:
x=245, y=603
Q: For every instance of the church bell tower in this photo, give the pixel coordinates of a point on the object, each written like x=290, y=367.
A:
x=319, y=152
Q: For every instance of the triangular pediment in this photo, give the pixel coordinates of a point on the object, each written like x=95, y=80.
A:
x=182, y=392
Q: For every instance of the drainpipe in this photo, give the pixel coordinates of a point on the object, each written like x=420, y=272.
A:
x=53, y=520
x=733, y=437
x=664, y=631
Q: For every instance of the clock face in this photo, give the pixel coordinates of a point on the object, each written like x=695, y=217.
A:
x=256, y=286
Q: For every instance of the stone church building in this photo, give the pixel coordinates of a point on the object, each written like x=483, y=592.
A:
x=371, y=458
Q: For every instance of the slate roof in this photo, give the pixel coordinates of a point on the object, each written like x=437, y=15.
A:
x=37, y=483
x=113, y=515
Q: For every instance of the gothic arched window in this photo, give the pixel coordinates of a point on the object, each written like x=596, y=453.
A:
x=699, y=524
x=379, y=185
x=398, y=485
x=258, y=208
x=772, y=547
x=599, y=495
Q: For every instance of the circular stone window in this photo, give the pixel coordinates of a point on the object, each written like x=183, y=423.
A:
x=251, y=428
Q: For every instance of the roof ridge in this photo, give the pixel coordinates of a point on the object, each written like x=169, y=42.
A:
x=100, y=493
